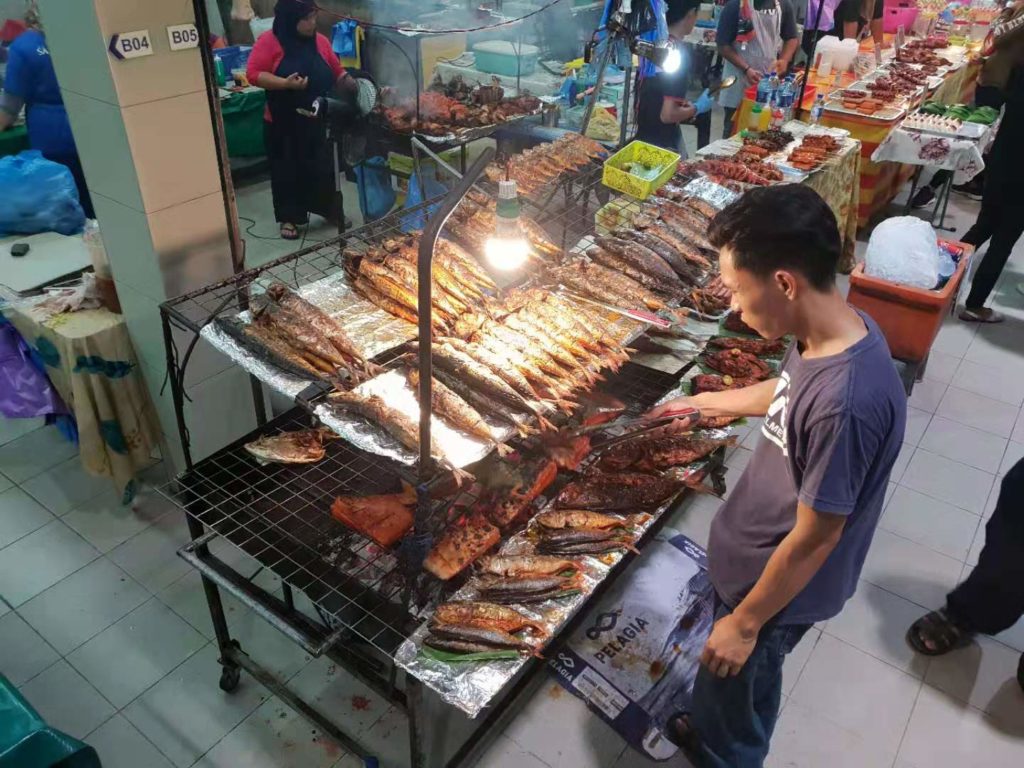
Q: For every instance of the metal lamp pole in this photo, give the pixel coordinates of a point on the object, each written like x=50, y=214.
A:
x=428, y=240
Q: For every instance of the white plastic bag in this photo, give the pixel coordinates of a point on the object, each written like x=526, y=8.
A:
x=904, y=250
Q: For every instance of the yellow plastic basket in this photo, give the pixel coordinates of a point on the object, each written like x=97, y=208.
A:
x=618, y=178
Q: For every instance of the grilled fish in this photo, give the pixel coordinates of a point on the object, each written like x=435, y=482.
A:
x=527, y=565
x=385, y=518
x=660, y=453
x=304, y=446
x=457, y=411
x=578, y=518
x=620, y=491
x=501, y=589
x=317, y=318
x=269, y=346
x=758, y=347
x=488, y=639
x=486, y=616
x=682, y=266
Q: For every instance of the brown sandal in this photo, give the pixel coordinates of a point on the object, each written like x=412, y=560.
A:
x=981, y=315
x=289, y=232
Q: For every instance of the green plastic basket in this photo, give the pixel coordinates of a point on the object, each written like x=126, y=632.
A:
x=618, y=178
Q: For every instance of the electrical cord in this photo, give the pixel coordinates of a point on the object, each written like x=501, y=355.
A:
x=424, y=31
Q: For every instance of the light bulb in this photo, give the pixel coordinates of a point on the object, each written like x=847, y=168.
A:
x=673, y=60
x=507, y=249
x=506, y=253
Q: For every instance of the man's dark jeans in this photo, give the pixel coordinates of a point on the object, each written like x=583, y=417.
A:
x=734, y=716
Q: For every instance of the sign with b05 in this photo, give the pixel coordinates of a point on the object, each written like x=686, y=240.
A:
x=183, y=36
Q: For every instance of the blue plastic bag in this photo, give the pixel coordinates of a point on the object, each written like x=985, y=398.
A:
x=376, y=197
x=37, y=195
x=433, y=189
x=343, y=39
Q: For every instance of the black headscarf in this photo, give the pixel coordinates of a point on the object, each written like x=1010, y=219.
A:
x=287, y=15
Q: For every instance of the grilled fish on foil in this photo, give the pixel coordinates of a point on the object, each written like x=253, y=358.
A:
x=652, y=455
x=517, y=566
x=618, y=491
x=486, y=616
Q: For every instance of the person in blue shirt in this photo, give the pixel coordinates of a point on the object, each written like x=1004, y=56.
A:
x=31, y=83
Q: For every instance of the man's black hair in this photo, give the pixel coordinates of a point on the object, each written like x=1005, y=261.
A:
x=676, y=10
x=785, y=227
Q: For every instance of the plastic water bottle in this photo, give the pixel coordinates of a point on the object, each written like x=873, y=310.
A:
x=817, y=109
x=763, y=89
x=786, y=98
x=773, y=86
x=219, y=72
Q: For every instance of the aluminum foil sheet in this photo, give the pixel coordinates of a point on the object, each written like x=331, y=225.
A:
x=471, y=686
x=394, y=389
x=372, y=330
x=710, y=192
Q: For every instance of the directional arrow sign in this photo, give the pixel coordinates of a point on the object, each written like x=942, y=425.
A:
x=131, y=45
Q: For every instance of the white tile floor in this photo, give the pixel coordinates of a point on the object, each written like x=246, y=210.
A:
x=106, y=631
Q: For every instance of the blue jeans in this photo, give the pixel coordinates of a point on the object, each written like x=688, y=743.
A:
x=734, y=716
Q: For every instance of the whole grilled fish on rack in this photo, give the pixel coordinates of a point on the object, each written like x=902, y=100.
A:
x=709, y=382
x=457, y=412
x=627, y=491
x=266, y=344
x=482, y=380
x=457, y=639
x=578, y=518
x=757, y=347
x=639, y=257
x=486, y=616
x=318, y=319
x=681, y=245
x=737, y=363
x=655, y=454
x=527, y=589
x=604, y=284
x=304, y=446
x=683, y=267
x=516, y=566
x=583, y=541
x=376, y=411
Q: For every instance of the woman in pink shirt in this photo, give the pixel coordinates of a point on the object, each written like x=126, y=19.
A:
x=295, y=65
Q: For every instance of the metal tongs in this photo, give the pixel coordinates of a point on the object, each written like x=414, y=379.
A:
x=646, y=424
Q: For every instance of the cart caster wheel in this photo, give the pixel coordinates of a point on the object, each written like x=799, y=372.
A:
x=229, y=679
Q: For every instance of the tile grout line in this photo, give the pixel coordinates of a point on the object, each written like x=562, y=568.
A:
x=906, y=727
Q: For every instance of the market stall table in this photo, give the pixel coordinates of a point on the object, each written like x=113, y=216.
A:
x=880, y=182
x=91, y=362
x=963, y=156
x=242, y=112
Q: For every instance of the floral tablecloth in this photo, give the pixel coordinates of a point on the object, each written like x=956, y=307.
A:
x=91, y=362
x=962, y=156
x=837, y=182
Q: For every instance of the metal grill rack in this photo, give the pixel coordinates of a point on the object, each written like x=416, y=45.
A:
x=280, y=516
x=362, y=602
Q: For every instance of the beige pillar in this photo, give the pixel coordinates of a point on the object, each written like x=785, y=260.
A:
x=146, y=141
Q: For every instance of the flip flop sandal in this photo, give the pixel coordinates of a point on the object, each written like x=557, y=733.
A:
x=679, y=731
x=289, y=232
x=938, y=629
x=981, y=316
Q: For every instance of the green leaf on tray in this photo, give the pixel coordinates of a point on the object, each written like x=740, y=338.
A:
x=453, y=658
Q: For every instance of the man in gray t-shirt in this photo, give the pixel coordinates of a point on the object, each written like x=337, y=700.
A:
x=787, y=548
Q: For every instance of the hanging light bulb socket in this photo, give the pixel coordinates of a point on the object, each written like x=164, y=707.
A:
x=507, y=248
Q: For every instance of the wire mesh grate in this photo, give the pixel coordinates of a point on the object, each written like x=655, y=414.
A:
x=279, y=514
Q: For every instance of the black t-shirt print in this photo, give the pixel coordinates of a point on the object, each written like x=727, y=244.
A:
x=653, y=92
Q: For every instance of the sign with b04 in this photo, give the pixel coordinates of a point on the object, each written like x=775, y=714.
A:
x=131, y=45
x=182, y=36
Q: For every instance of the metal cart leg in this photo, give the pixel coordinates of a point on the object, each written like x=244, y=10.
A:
x=915, y=179
x=414, y=711
x=230, y=671
x=943, y=202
